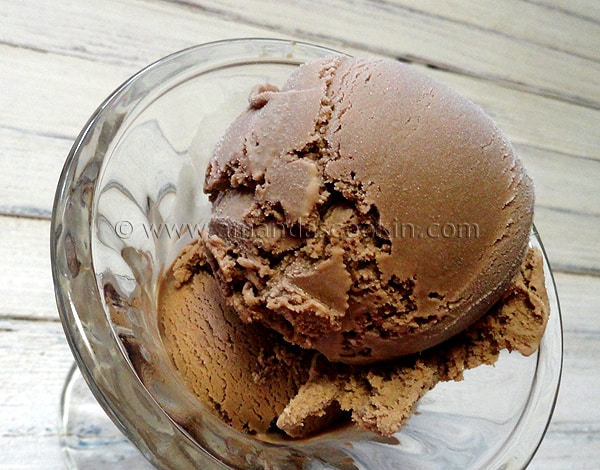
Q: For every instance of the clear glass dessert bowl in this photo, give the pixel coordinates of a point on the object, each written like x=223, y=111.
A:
x=130, y=198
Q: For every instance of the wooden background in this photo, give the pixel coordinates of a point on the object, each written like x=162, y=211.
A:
x=533, y=65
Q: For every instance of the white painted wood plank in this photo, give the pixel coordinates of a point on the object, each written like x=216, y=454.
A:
x=563, y=182
x=34, y=361
x=394, y=30
x=579, y=296
x=30, y=166
x=573, y=438
x=589, y=9
x=533, y=119
x=26, y=288
x=130, y=33
x=31, y=453
x=522, y=20
x=571, y=240
x=55, y=26
x=381, y=27
x=566, y=448
x=53, y=95
x=59, y=60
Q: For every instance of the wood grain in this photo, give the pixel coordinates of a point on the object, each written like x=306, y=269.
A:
x=33, y=158
x=582, y=8
x=552, y=28
x=573, y=438
x=26, y=282
x=34, y=362
x=131, y=34
x=533, y=119
x=391, y=29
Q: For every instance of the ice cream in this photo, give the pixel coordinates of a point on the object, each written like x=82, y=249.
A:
x=368, y=239
x=382, y=397
x=365, y=210
x=260, y=384
x=221, y=358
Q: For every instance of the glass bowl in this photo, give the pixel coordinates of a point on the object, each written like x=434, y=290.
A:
x=130, y=197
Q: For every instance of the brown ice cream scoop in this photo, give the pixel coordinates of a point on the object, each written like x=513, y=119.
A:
x=246, y=373
x=365, y=210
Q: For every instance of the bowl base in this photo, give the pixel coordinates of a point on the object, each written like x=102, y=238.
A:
x=88, y=438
